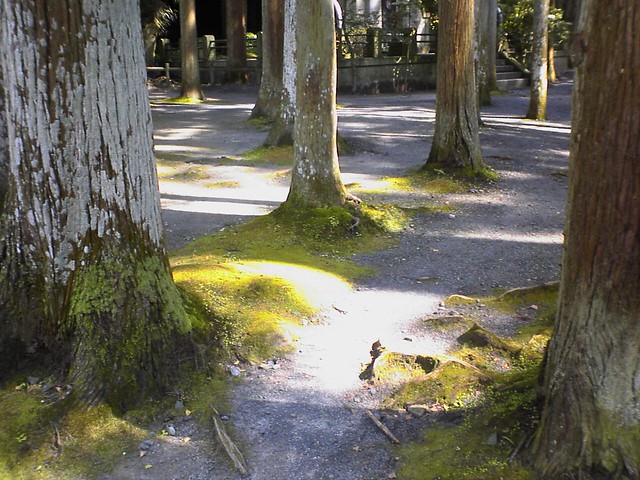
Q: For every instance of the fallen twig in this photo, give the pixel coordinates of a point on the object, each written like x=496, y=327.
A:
x=382, y=427
x=549, y=285
x=232, y=450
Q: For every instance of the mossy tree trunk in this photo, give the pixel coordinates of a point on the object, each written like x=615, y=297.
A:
x=456, y=142
x=236, y=17
x=591, y=418
x=281, y=132
x=316, y=179
x=272, y=50
x=539, y=64
x=190, y=71
x=83, y=270
x=487, y=37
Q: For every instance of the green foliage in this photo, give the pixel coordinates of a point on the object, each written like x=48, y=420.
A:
x=517, y=28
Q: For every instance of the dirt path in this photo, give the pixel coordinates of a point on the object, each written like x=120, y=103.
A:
x=303, y=417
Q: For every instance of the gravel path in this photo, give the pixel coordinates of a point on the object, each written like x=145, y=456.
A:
x=304, y=417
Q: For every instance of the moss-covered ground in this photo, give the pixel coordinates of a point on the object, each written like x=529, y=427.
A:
x=492, y=390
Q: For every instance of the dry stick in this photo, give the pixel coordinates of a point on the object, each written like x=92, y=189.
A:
x=232, y=450
x=528, y=289
x=382, y=427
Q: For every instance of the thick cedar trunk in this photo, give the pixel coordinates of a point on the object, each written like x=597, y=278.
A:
x=236, y=16
x=316, y=175
x=281, y=132
x=190, y=71
x=272, y=50
x=591, y=416
x=539, y=65
x=486, y=21
x=82, y=263
x=456, y=142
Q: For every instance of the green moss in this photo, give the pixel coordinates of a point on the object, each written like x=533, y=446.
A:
x=451, y=385
x=92, y=440
x=124, y=313
x=280, y=155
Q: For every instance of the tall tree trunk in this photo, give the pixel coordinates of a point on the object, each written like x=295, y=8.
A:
x=316, y=179
x=487, y=35
x=190, y=71
x=539, y=64
x=551, y=53
x=456, y=142
x=272, y=54
x=591, y=417
x=281, y=132
x=4, y=146
x=83, y=268
x=236, y=16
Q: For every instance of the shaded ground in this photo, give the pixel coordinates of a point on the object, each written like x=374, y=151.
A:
x=303, y=417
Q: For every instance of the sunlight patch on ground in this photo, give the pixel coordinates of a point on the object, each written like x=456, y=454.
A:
x=507, y=236
x=184, y=149
x=336, y=353
x=317, y=286
x=216, y=208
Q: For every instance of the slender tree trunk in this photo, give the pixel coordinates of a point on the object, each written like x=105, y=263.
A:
x=316, y=180
x=272, y=57
x=591, y=418
x=4, y=146
x=456, y=142
x=236, y=16
x=487, y=31
x=539, y=64
x=190, y=71
x=551, y=53
x=281, y=132
x=83, y=268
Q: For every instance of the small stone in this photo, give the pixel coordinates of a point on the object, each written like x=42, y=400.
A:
x=408, y=339
x=224, y=418
x=33, y=380
x=171, y=430
x=534, y=307
x=452, y=216
x=392, y=475
x=417, y=410
x=493, y=439
x=234, y=371
x=179, y=405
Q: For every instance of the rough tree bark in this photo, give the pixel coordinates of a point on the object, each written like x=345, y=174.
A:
x=487, y=35
x=281, y=132
x=456, y=142
x=316, y=179
x=272, y=50
x=4, y=146
x=591, y=418
x=83, y=270
x=539, y=65
x=236, y=17
x=190, y=71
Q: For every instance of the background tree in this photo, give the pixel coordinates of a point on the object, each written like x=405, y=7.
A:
x=456, y=142
x=84, y=273
x=190, y=71
x=281, y=132
x=236, y=26
x=4, y=146
x=316, y=179
x=539, y=66
x=591, y=421
x=487, y=36
x=272, y=50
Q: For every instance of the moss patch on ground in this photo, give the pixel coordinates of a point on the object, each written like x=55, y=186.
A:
x=280, y=155
x=46, y=437
x=493, y=390
x=243, y=285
